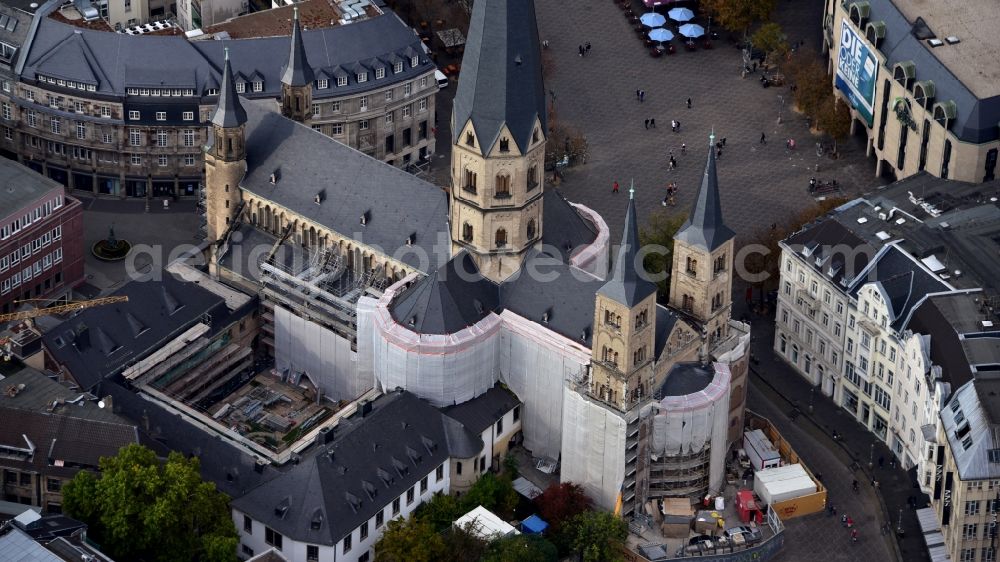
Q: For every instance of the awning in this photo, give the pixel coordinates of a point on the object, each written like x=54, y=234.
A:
x=526, y=488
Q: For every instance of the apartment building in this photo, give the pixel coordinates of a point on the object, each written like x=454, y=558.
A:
x=122, y=115
x=922, y=83
x=873, y=296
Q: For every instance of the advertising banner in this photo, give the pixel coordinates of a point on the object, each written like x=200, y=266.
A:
x=857, y=71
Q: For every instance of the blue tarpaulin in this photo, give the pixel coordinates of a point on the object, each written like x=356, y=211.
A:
x=534, y=525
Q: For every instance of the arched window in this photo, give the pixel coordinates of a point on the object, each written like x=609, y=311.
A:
x=531, y=229
x=784, y=344
x=502, y=189
x=467, y=232
x=687, y=303
x=470, y=181
x=501, y=238
x=504, y=145
x=795, y=353
x=532, y=177
x=692, y=266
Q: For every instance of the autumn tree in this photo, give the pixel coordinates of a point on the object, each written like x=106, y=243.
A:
x=834, y=119
x=657, y=238
x=738, y=15
x=140, y=508
x=558, y=505
x=410, y=540
x=522, y=548
x=812, y=85
x=771, y=39
x=599, y=536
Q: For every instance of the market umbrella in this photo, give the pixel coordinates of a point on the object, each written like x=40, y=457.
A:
x=681, y=14
x=691, y=30
x=660, y=34
x=652, y=19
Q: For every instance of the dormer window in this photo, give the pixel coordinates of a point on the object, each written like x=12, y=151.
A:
x=379, y=73
x=414, y=62
x=398, y=67
x=362, y=77
x=241, y=87
x=341, y=80
x=504, y=145
x=213, y=91
x=322, y=84
x=470, y=139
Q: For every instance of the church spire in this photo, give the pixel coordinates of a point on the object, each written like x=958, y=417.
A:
x=297, y=71
x=501, y=81
x=704, y=227
x=229, y=112
x=627, y=285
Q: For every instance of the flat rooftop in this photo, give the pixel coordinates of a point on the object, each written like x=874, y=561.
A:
x=20, y=185
x=313, y=14
x=687, y=378
x=975, y=23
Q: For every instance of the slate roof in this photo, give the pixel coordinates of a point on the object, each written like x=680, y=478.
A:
x=628, y=284
x=373, y=459
x=976, y=119
x=501, y=74
x=565, y=229
x=16, y=545
x=704, y=227
x=99, y=342
x=398, y=204
x=832, y=249
x=117, y=60
x=687, y=378
x=665, y=320
x=484, y=410
x=977, y=402
x=454, y=296
x=40, y=393
x=903, y=281
x=229, y=111
x=296, y=71
x=20, y=185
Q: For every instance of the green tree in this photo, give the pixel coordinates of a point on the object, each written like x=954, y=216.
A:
x=522, y=548
x=441, y=511
x=496, y=494
x=771, y=39
x=658, y=238
x=142, y=509
x=410, y=540
x=599, y=536
x=834, y=119
x=738, y=15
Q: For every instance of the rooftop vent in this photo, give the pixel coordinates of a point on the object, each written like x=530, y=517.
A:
x=282, y=508
x=900, y=220
x=546, y=315
x=412, y=321
x=414, y=455
x=429, y=444
x=370, y=489
x=987, y=324
x=386, y=478
x=275, y=176
x=365, y=217
x=517, y=60
x=320, y=197
x=921, y=30
x=862, y=220
x=317, y=520
x=951, y=39
x=882, y=235
x=353, y=500
x=411, y=239
x=935, y=42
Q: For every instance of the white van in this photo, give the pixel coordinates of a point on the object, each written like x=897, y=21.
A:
x=441, y=79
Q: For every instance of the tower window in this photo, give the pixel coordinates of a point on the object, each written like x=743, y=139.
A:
x=504, y=145
x=639, y=356
x=532, y=177
x=640, y=319
x=531, y=229
x=687, y=303
x=534, y=136
x=691, y=267
x=501, y=238
x=720, y=264
x=716, y=302
x=467, y=232
x=470, y=139
x=502, y=190
x=470, y=181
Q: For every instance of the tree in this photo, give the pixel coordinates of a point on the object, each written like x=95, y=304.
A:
x=660, y=231
x=771, y=39
x=495, y=494
x=141, y=508
x=738, y=15
x=835, y=119
x=558, y=505
x=599, y=536
x=410, y=540
x=441, y=511
x=522, y=548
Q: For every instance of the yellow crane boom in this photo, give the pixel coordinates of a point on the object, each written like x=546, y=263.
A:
x=60, y=308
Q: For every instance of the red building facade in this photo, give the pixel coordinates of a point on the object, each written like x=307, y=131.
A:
x=41, y=237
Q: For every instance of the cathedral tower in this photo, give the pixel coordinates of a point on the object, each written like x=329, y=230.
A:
x=701, y=280
x=225, y=157
x=498, y=139
x=297, y=78
x=624, y=326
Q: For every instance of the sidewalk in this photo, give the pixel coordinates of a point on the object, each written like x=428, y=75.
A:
x=863, y=447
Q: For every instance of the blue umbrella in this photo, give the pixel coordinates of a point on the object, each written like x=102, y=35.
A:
x=681, y=14
x=652, y=19
x=660, y=34
x=691, y=30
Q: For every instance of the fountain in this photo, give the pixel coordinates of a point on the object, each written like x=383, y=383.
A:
x=111, y=248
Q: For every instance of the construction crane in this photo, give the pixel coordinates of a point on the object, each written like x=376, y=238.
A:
x=58, y=309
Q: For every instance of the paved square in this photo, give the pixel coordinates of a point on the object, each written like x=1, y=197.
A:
x=760, y=184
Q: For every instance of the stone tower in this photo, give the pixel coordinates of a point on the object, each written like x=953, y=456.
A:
x=701, y=281
x=297, y=78
x=225, y=157
x=498, y=139
x=624, y=326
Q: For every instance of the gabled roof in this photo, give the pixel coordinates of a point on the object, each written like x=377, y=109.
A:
x=501, y=81
x=564, y=229
x=451, y=298
x=484, y=410
x=229, y=111
x=903, y=281
x=297, y=71
x=628, y=284
x=705, y=227
x=374, y=458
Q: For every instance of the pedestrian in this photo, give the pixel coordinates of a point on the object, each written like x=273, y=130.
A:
x=673, y=163
x=718, y=152
x=881, y=462
x=854, y=535
x=545, y=44
x=614, y=187
x=843, y=520
x=580, y=50
x=637, y=93
x=647, y=123
x=587, y=47
x=673, y=125
x=652, y=122
x=850, y=522
x=723, y=141
x=642, y=96
x=689, y=103
x=875, y=484
x=664, y=202
x=763, y=139
x=755, y=66
x=854, y=486
x=684, y=147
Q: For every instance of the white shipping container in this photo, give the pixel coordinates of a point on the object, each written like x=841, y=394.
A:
x=776, y=485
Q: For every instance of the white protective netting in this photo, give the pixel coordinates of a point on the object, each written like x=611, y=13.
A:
x=307, y=348
x=593, y=448
x=593, y=258
x=442, y=369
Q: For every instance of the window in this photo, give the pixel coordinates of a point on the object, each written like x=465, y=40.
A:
x=395, y=502
x=379, y=73
x=188, y=116
x=347, y=542
x=134, y=137
x=6, y=111
x=30, y=95
x=341, y=80
x=258, y=86
x=247, y=525
x=968, y=554
x=135, y=159
x=410, y=494
x=363, y=101
x=57, y=233
x=161, y=115
x=501, y=238
x=379, y=519
x=414, y=61
x=334, y=106
x=972, y=507
x=458, y=467
x=363, y=124
x=439, y=474
x=161, y=138
x=406, y=111
x=423, y=484
x=388, y=118
x=337, y=129
x=322, y=84
x=422, y=105
x=53, y=484
x=56, y=125
x=161, y=160
x=189, y=159
x=312, y=553
x=316, y=110
x=187, y=137
x=272, y=537
x=32, y=118
x=8, y=133
x=133, y=115
x=363, y=531
x=470, y=139
x=106, y=138
x=407, y=88
x=241, y=87
x=970, y=531
x=388, y=95
x=362, y=77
